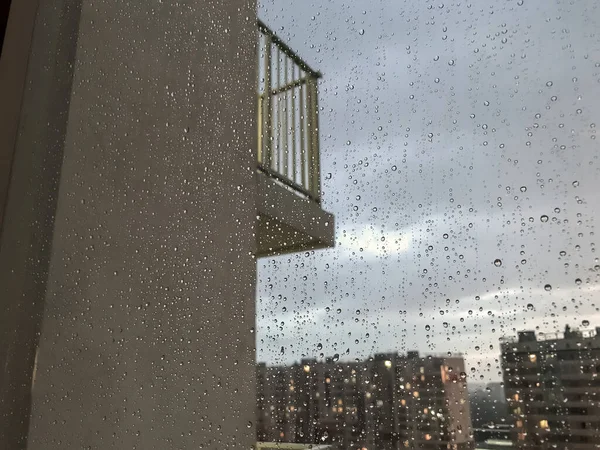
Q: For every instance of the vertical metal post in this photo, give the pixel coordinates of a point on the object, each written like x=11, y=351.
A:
x=303, y=118
x=277, y=121
x=260, y=128
x=315, y=153
x=293, y=130
x=267, y=100
x=285, y=132
x=309, y=134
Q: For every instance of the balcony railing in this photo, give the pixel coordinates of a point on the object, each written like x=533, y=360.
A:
x=288, y=131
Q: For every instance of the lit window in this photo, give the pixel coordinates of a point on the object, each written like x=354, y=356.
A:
x=522, y=436
x=368, y=395
x=422, y=370
x=516, y=397
x=340, y=402
x=544, y=424
x=407, y=385
x=388, y=364
x=307, y=369
x=403, y=402
x=425, y=410
x=427, y=437
x=422, y=377
x=416, y=394
x=519, y=424
x=292, y=408
x=532, y=358
x=292, y=388
x=328, y=380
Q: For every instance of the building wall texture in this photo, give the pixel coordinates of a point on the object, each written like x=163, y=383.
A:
x=128, y=238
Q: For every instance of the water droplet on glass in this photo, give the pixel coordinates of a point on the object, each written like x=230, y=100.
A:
x=498, y=262
x=548, y=287
x=544, y=218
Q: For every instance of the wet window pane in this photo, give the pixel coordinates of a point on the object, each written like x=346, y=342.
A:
x=459, y=158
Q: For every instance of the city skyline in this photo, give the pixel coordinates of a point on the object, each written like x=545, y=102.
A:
x=388, y=401
x=443, y=126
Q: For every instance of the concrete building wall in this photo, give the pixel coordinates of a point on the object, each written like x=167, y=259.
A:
x=128, y=237
x=457, y=397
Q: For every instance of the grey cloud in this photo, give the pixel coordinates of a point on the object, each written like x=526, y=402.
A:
x=452, y=170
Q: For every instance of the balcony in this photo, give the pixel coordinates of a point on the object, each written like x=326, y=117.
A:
x=290, y=217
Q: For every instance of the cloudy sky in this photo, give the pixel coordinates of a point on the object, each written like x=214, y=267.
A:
x=459, y=156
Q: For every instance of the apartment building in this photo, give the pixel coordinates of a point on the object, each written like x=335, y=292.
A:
x=389, y=401
x=552, y=387
x=151, y=151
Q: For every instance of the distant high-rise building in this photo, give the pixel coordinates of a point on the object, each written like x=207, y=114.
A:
x=389, y=401
x=553, y=389
x=488, y=405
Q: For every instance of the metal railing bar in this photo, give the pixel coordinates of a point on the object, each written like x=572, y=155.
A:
x=268, y=117
x=279, y=121
x=315, y=141
x=290, y=85
x=293, y=130
x=302, y=89
x=287, y=50
x=285, y=134
x=309, y=135
x=291, y=157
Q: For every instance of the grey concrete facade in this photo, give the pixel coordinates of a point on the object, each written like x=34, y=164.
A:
x=128, y=237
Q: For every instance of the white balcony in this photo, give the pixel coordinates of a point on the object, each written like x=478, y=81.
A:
x=289, y=183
